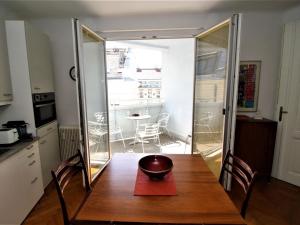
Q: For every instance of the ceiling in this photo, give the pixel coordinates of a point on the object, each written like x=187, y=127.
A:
x=101, y=8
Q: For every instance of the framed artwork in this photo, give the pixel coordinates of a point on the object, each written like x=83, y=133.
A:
x=249, y=76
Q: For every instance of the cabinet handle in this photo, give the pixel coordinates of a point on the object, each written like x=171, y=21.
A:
x=34, y=180
x=7, y=94
x=29, y=147
x=30, y=164
x=29, y=156
x=43, y=142
x=50, y=128
x=36, y=88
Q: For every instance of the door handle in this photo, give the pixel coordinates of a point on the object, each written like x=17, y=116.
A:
x=281, y=111
x=224, y=111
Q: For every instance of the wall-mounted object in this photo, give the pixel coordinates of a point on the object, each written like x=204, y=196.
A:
x=249, y=77
x=72, y=73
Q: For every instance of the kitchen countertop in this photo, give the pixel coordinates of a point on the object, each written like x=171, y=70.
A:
x=10, y=150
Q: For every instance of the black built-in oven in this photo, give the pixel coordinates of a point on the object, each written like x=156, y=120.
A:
x=44, y=108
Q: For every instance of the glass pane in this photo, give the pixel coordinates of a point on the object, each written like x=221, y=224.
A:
x=210, y=93
x=95, y=98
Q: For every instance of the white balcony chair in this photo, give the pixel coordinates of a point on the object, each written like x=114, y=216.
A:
x=163, y=121
x=204, y=125
x=114, y=129
x=149, y=132
x=96, y=134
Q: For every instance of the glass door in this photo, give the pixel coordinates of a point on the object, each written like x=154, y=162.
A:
x=216, y=68
x=90, y=68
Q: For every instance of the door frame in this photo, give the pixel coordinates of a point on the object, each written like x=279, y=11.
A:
x=284, y=87
x=231, y=94
x=82, y=112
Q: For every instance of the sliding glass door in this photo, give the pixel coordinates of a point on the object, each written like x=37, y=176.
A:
x=90, y=68
x=216, y=63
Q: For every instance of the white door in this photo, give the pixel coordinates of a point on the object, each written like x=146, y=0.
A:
x=215, y=91
x=90, y=68
x=288, y=108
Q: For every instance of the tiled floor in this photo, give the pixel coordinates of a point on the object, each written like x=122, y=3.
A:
x=212, y=152
x=168, y=146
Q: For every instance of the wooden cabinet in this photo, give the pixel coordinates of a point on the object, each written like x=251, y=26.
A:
x=39, y=60
x=6, y=94
x=255, y=142
x=49, y=150
x=21, y=184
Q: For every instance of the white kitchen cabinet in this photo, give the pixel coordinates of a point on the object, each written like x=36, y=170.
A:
x=30, y=56
x=49, y=150
x=21, y=185
x=6, y=95
x=39, y=60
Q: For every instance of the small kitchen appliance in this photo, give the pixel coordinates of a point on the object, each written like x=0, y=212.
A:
x=8, y=136
x=21, y=127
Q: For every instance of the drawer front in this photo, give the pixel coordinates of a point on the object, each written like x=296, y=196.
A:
x=22, y=185
x=32, y=175
x=31, y=152
x=32, y=161
x=46, y=129
x=6, y=97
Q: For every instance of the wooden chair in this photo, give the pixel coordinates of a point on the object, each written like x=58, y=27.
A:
x=62, y=176
x=242, y=174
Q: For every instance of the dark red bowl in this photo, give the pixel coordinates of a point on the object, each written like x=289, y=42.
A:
x=156, y=166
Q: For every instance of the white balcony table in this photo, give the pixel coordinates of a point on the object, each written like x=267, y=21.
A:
x=137, y=120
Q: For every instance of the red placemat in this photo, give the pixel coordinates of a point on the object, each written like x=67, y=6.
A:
x=145, y=186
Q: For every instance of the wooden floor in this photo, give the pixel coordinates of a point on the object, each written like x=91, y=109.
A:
x=274, y=203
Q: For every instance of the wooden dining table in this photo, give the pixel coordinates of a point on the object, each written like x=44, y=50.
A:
x=200, y=199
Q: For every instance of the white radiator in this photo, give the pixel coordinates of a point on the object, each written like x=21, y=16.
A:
x=68, y=141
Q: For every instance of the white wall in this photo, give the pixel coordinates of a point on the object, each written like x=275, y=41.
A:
x=19, y=71
x=177, y=85
x=292, y=14
x=261, y=40
x=60, y=35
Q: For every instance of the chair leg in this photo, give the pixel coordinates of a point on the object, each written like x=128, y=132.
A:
x=134, y=141
x=160, y=150
x=121, y=134
x=168, y=132
x=186, y=140
x=142, y=139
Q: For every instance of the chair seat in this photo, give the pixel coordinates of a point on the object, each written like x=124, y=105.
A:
x=143, y=134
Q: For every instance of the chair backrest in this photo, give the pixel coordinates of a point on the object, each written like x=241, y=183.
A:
x=96, y=127
x=151, y=129
x=163, y=119
x=242, y=174
x=205, y=119
x=62, y=176
x=101, y=117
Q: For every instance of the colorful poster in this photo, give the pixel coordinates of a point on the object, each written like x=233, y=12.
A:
x=248, y=85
